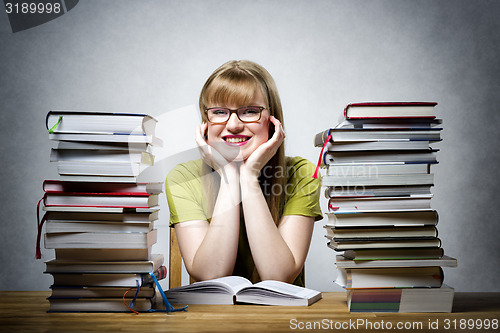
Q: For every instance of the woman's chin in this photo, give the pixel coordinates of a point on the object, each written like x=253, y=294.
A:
x=234, y=156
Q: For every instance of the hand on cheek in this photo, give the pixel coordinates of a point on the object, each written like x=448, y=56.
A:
x=210, y=152
x=260, y=156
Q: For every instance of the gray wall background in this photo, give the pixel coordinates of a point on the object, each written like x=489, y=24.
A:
x=154, y=56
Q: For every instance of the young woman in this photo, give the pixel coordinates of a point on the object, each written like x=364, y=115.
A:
x=243, y=208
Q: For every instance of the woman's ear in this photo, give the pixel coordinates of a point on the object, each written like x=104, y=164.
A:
x=205, y=131
x=271, y=128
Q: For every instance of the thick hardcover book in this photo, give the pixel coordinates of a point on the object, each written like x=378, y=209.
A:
x=379, y=180
x=98, y=304
x=120, y=200
x=383, y=218
x=393, y=254
x=78, y=266
x=445, y=261
x=99, y=292
x=383, y=244
x=377, y=191
x=391, y=123
x=57, y=216
x=396, y=277
x=98, y=122
x=60, y=186
x=390, y=110
x=373, y=204
x=130, y=280
x=380, y=233
x=100, y=240
x=109, y=138
x=354, y=134
x=401, y=300
x=374, y=156
x=103, y=254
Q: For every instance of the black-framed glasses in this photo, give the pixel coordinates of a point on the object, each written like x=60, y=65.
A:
x=246, y=114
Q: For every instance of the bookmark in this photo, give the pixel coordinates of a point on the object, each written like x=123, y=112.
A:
x=38, y=253
x=53, y=128
x=168, y=306
x=328, y=138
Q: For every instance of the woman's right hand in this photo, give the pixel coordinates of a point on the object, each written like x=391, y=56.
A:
x=211, y=156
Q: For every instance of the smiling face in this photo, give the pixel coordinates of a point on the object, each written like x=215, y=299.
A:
x=237, y=140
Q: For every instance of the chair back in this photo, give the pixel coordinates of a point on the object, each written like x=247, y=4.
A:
x=175, y=263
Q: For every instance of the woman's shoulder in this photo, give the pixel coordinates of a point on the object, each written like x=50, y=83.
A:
x=186, y=170
x=297, y=162
x=299, y=168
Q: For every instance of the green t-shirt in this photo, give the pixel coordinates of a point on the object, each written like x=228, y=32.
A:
x=186, y=202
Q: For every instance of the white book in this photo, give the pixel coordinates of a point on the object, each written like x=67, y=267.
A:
x=101, y=169
x=77, y=217
x=101, y=279
x=356, y=135
x=100, y=240
x=379, y=180
x=417, y=156
x=394, y=277
x=378, y=191
x=377, y=145
x=120, y=138
x=110, y=156
x=388, y=123
x=380, y=168
x=93, y=226
x=236, y=289
x=95, y=209
x=354, y=204
x=95, y=146
x=100, y=254
x=97, y=305
x=444, y=261
x=78, y=266
x=99, y=122
x=99, y=178
x=98, y=292
x=382, y=218
x=402, y=300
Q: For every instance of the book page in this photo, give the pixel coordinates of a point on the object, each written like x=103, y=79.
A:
x=236, y=283
x=284, y=288
x=230, y=284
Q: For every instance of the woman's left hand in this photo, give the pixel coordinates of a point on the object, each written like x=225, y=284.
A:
x=259, y=158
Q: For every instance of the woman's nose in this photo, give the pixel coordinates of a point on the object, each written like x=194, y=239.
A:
x=234, y=124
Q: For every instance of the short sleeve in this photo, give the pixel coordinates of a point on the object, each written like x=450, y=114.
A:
x=302, y=191
x=184, y=193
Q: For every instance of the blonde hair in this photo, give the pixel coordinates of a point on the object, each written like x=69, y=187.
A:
x=235, y=83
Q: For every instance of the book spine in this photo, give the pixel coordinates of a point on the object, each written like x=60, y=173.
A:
x=320, y=138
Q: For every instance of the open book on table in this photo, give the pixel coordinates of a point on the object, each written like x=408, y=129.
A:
x=236, y=289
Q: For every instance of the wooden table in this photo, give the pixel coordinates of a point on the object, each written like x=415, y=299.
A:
x=26, y=311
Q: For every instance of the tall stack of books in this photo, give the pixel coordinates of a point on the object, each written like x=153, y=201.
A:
x=99, y=218
x=377, y=180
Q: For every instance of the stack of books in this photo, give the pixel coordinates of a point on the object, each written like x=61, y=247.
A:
x=99, y=218
x=377, y=179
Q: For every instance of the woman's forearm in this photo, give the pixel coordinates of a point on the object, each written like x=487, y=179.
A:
x=272, y=257
x=216, y=255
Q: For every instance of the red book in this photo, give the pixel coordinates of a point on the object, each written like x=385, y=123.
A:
x=100, y=200
x=390, y=110
x=59, y=186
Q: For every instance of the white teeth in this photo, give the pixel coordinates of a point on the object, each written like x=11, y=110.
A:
x=235, y=140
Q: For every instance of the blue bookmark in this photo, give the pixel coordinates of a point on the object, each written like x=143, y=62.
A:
x=168, y=306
